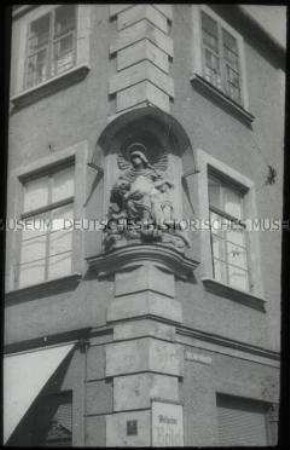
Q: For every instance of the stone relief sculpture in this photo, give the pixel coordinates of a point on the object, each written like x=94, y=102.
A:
x=141, y=203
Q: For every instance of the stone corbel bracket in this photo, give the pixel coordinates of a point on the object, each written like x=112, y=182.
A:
x=163, y=257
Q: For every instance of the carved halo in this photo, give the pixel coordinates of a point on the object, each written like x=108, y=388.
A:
x=158, y=160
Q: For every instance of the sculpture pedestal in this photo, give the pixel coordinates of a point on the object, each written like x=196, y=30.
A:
x=144, y=360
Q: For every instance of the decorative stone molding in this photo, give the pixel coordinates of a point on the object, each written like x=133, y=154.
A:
x=142, y=48
x=133, y=255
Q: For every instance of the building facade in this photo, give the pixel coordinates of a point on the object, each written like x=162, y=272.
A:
x=143, y=265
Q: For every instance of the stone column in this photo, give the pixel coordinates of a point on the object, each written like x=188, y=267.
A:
x=144, y=361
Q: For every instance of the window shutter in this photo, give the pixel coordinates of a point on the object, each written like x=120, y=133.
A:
x=241, y=423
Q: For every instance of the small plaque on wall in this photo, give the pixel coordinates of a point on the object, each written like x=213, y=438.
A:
x=167, y=425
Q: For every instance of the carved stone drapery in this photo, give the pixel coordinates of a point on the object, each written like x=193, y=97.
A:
x=141, y=201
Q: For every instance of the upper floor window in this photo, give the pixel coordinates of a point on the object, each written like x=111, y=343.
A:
x=51, y=45
x=221, y=65
x=218, y=53
x=230, y=248
x=228, y=234
x=46, y=244
x=50, y=50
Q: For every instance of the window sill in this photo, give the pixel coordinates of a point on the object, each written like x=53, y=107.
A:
x=222, y=99
x=50, y=86
x=44, y=289
x=243, y=297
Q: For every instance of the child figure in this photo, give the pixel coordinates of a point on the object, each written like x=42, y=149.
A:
x=161, y=199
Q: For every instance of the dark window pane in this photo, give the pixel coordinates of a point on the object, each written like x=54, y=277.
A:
x=230, y=42
x=214, y=192
x=210, y=32
x=65, y=20
x=231, y=58
x=210, y=41
x=212, y=68
x=64, y=55
x=37, y=68
x=39, y=33
x=208, y=24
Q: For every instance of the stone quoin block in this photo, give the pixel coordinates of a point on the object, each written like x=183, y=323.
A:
x=142, y=71
x=143, y=92
x=146, y=354
x=117, y=429
x=140, y=51
x=143, y=327
x=146, y=277
x=95, y=431
x=138, y=12
x=116, y=8
x=144, y=303
x=164, y=9
x=137, y=391
x=99, y=397
x=142, y=30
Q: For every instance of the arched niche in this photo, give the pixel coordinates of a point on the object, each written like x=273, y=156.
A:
x=160, y=133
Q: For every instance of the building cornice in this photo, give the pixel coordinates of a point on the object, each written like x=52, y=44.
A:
x=227, y=342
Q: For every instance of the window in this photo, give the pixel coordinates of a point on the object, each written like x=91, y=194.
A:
x=230, y=248
x=219, y=68
x=228, y=234
x=241, y=422
x=51, y=45
x=51, y=51
x=46, y=245
x=221, y=65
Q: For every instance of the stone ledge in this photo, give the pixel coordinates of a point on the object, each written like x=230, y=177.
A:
x=50, y=86
x=235, y=294
x=45, y=289
x=222, y=99
x=125, y=257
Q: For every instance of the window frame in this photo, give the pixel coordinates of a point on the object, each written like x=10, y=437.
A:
x=21, y=26
x=50, y=47
x=45, y=210
x=228, y=184
x=255, y=296
x=77, y=153
x=198, y=57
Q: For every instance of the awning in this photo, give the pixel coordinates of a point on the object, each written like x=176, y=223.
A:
x=25, y=374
